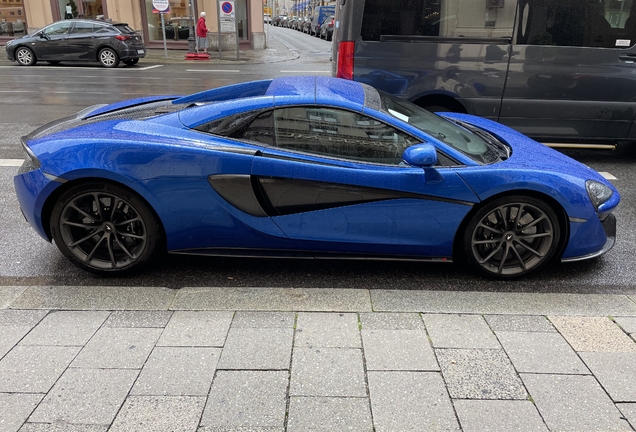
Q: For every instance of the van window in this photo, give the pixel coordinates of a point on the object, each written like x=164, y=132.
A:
x=443, y=18
x=582, y=23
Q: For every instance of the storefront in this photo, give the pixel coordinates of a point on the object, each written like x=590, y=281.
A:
x=19, y=17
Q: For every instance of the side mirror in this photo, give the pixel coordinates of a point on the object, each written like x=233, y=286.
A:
x=43, y=36
x=421, y=155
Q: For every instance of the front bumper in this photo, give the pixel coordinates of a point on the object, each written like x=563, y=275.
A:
x=609, y=227
x=32, y=189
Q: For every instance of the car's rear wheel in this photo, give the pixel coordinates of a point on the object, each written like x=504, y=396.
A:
x=108, y=58
x=25, y=57
x=131, y=62
x=105, y=228
x=512, y=236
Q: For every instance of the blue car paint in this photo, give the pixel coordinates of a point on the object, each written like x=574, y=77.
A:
x=125, y=104
x=168, y=165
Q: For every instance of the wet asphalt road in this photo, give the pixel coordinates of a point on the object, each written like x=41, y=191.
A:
x=33, y=96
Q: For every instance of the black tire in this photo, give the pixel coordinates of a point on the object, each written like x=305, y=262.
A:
x=25, y=57
x=105, y=228
x=108, y=57
x=131, y=62
x=511, y=237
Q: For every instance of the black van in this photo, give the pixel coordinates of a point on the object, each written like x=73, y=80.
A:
x=560, y=71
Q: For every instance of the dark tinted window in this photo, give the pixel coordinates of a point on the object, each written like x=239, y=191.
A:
x=338, y=133
x=124, y=28
x=83, y=27
x=59, y=28
x=253, y=126
x=445, y=18
x=587, y=23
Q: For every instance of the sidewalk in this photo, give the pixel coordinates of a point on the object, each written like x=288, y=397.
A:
x=278, y=359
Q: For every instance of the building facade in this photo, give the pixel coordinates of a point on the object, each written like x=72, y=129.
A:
x=18, y=17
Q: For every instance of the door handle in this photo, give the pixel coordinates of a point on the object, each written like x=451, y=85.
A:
x=628, y=58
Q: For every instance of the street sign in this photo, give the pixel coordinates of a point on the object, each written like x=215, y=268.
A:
x=160, y=6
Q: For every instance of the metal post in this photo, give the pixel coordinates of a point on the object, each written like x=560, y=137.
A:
x=163, y=30
x=191, y=30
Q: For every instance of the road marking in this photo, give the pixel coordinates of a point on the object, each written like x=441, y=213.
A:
x=76, y=67
x=607, y=176
x=305, y=71
x=214, y=70
x=11, y=162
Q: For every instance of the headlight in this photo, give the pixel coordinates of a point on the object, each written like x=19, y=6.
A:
x=31, y=162
x=598, y=192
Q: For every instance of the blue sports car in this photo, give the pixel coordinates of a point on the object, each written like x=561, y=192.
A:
x=306, y=167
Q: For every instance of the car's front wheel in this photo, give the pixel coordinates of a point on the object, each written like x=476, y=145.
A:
x=108, y=58
x=105, y=228
x=512, y=236
x=25, y=57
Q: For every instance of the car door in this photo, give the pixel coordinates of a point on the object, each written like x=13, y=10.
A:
x=81, y=41
x=572, y=74
x=52, y=44
x=333, y=180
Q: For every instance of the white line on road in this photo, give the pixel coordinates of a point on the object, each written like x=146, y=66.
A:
x=607, y=175
x=11, y=162
x=76, y=68
x=214, y=70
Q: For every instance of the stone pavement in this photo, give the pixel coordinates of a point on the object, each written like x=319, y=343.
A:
x=284, y=359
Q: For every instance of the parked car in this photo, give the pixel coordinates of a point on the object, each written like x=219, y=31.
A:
x=510, y=65
x=306, y=167
x=306, y=25
x=278, y=20
x=326, y=28
x=267, y=18
x=78, y=40
x=318, y=16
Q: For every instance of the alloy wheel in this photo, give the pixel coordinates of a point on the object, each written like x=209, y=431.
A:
x=25, y=57
x=108, y=58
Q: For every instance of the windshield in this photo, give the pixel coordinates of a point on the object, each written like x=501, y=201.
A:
x=475, y=143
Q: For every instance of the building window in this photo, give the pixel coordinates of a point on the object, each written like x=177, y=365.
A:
x=12, y=22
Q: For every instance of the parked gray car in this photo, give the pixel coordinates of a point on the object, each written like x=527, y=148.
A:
x=79, y=40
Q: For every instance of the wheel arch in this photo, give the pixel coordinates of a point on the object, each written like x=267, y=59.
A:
x=47, y=208
x=553, y=203
x=441, y=100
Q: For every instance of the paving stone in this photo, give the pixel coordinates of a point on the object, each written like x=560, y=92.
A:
x=519, y=323
x=11, y=335
x=499, y=416
x=15, y=408
x=628, y=324
x=493, y=303
x=8, y=294
x=593, y=334
x=196, y=329
x=61, y=427
x=327, y=330
x=254, y=348
x=327, y=372
x=34, y=369
x=410, y=401
x=391, y=321
x=541, y=353
x=243, y=319
x=159, y=414
x=479, y=374
x=67, y=328
x=629, y=411
x=95, y=298
x=459, y=331
x=20, y=318
x=247, y=399
x=118, y=348
x=178, y=371
x=398, y=350
x=616, y=372
x=87, y=396
x=274, y=299
x=573, y=403
x=152, y=319
x=329, y=414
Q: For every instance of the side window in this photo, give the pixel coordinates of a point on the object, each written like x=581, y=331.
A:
x=339, y=133
x=443, y=18
x=252, y=126
x=582, y=23
x=82, y=27
x=57, y=29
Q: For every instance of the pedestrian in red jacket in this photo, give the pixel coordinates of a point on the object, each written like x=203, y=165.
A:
x=202, y=34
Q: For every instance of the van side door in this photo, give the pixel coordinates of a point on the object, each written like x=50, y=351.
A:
x=572, y=74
